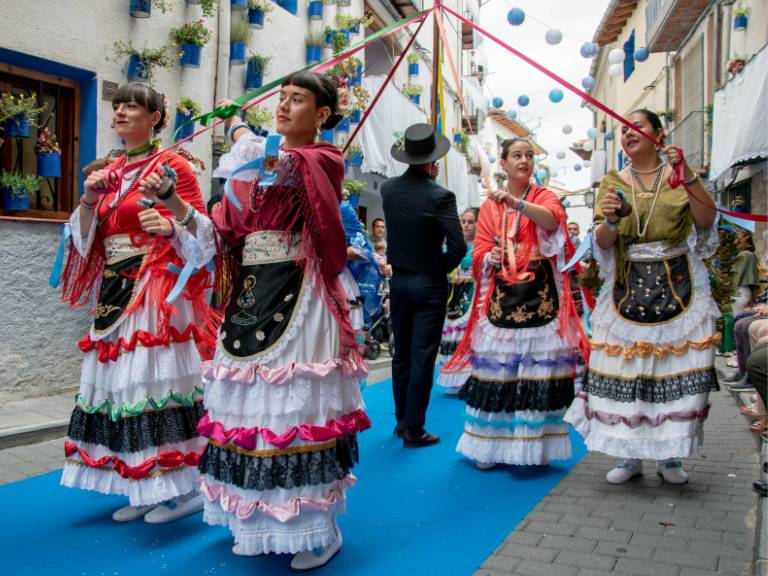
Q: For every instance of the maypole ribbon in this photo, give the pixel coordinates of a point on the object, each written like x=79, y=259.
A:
x=58, y=265
x=387, y=79
x=674, y=181
x=266, y=165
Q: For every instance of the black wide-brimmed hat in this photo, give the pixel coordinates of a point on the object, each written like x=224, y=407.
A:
x=420, y=145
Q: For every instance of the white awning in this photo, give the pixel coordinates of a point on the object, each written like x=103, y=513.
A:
x=740, y=119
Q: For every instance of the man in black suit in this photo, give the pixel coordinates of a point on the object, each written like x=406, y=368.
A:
x=421, y=215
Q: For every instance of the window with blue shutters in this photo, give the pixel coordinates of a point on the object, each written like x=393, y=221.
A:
x=629, y=56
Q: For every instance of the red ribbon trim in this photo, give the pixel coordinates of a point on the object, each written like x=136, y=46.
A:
x=167, y=459
x=109, y=351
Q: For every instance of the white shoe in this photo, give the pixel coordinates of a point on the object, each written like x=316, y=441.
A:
x=452, y=391
x=131, y=513
x=311, y=559
x=175, y=508
x=485, y=465
x=671, y=471
x=624, y=471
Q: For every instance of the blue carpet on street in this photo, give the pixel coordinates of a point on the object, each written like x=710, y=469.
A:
x=413, y=512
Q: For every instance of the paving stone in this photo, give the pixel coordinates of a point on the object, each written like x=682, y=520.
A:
x=528, y=538
x=524, y=552
x=612, y=513
x=502, y=563
x=692, y=533
x=533, y=568
x=604, y=534
x=544, y=516
x=591, y=572
x=667, y=518
x=675, y=544
x=568, y=543
x=585, y=560
x=698, y=560
x=721, y=550
x=580, y=520
x=625, y=550
x=550, y=528
x=731, y=566
x=638, y=527
x=645, y=568
x=489, y=572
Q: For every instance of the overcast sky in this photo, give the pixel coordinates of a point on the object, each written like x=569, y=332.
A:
x=510, y=77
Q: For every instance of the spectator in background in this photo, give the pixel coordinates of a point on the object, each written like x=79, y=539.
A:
x=573, y=232
x=746, y=275
x=735, y=67
x=378, y=231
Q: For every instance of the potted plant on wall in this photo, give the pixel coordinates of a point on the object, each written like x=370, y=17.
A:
x=208, y=6
x=143, y=8
x=315, y=10
x=359, y=21
x=257, y=12
x=239, y=32
x=17, y=188
x=290, y=6
x=259, y=119
x=48, y=154
x=344, y=3
x=314, y=44
x=257, y=67
x=186, y=110
x=239, y=5
x=353, y=189
x=355, y=155
x=339, y=41
x=413, y=92
x=740, y=18
x=142, y=62
x=413, y=64
x=17, y=114
x=191, y=38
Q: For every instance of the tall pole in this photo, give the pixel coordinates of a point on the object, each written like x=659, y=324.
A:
x=435, y=69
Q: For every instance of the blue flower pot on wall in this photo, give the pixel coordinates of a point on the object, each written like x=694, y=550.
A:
x=413, y=69
x=138, y=70
x=240, y=5
x=291, y=6
x=457, y=138
x=186, y=129
x=237, y=52
x=740, y=22
x=49, y=165
x=355, y=29
x=140, y=8
x=17, y=127
x=315, y=10
x=327, y=136
x=415, y=98
x=314, y=54
x=343, y=126
x=356, y=159
x=256, y=18
x=13, y=202
x=356, y=116
x=254, y=76
x=190, y=55
x=329, y=38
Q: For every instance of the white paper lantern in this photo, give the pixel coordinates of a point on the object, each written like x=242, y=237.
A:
x=567, y=129
x=561, y=155
x=587, y=146
x=616, y=56
x=616, y=69
x=553, y=36
x=587, y=163
x=593, y=133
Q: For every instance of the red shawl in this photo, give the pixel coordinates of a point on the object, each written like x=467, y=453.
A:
x=489, y=234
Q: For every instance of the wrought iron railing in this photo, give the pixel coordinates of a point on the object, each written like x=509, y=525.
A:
x=691, y=136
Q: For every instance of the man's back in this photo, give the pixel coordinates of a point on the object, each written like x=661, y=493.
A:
x=420, y=215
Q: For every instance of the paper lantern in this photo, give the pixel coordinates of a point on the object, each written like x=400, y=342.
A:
x=585, y=50
x=515, y=16
x=592, y=133
x=561, y=155
x=555, y=95
x=587, y=146
x=616, y=69
x=541, y=173
x=588, y=83
x=616, y=56
x=577, y=167
x=587, y=163
x=566, y=202
x=511, y=114
x=523, y=100
x=567, y=129
x=609, y=136
x=641, y=54
x=491, y=159
x=497, y=102
x=553, y=36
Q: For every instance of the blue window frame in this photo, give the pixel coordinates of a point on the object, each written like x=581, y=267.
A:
x=629, y=56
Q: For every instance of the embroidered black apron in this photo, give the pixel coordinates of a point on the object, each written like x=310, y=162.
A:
x=263, y=301
x=118, y=284
x=460, y=300
x=525, y=304
x=656, y=291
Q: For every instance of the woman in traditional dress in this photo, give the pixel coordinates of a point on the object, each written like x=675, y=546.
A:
x=282, y=393
x=651, y=367
x=523, y=337
x=133, y=430
x=462, y=290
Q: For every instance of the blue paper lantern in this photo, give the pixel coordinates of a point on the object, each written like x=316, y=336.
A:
x=523, y=100
x=588, y=49
x=515, y=16
x=609, y=136
x=641, y=54
x=561, y=155
x=498, y=102
x=511, y=114
x=566, y=203
x=491, y=159
x=593, y=133
x=588, y=82
x=541, y=173
x=555, y=95
x=577, y=167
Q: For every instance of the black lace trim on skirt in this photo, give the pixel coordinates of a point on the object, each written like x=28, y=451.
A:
x=651, y=390
x=283, y=471
x=135, y=433
x=448, y=348
x=511, y=396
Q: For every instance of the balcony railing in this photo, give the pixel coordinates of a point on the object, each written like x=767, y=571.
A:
x=667, y=22
x=691, y=136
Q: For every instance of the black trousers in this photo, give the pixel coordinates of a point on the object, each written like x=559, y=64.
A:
x=417, y=307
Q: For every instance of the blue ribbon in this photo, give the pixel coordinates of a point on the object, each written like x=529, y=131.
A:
x=551, y=420
x=580, y=252
x=267, y=177
x=748, y=225
x=58, y=264
x=184, y=275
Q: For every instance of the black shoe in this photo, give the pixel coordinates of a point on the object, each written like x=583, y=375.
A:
x=420, y=439
x=760, y=487
x=740, y=386
x=399, y=430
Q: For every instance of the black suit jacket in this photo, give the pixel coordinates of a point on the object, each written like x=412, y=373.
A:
x=420, y=214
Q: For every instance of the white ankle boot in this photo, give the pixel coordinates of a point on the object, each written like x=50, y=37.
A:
x=671, y=471
x=131, y=513
x=175, y=508
x=311, y=559
x=485, y=465
x=624, y=471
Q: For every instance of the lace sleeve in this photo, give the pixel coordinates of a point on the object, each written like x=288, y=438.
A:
x=705, y=241
x=551, y=242
x=198, y=248
x=82, y=243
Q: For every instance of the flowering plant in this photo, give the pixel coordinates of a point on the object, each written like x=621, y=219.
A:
x=11, y=106
x=192, y=33
x=47, y=143
x=188, y=107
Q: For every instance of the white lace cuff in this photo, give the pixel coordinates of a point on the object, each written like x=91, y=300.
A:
x=198, y=248
x=82, y=243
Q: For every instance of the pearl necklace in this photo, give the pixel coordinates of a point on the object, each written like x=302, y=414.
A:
x=641, y=231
